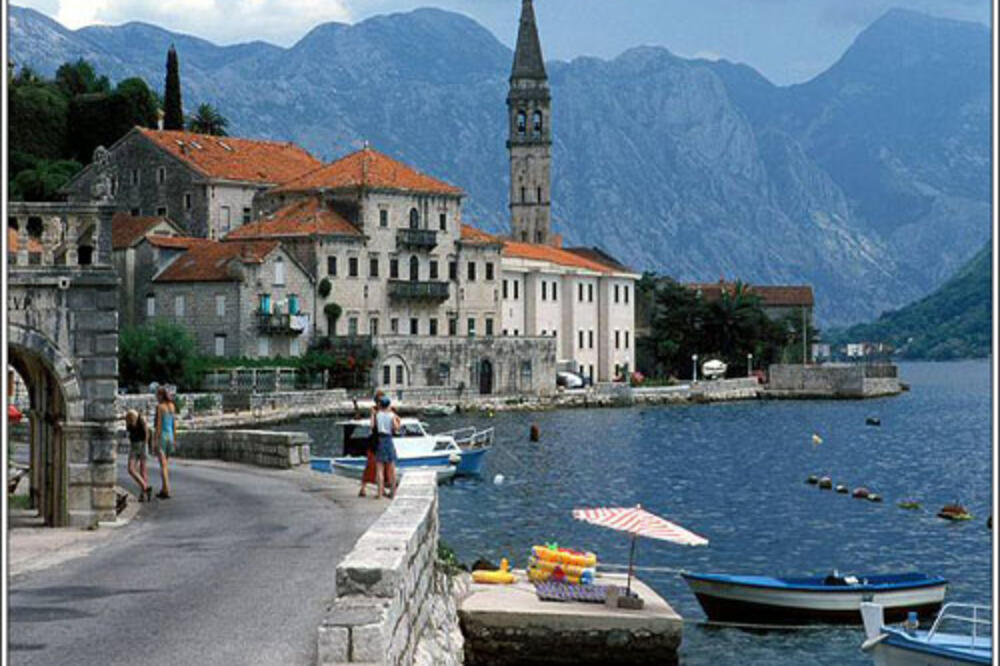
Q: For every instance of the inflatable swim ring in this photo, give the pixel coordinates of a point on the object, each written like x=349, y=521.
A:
x=564, y=556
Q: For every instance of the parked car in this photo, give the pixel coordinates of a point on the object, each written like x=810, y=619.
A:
x=569, y=380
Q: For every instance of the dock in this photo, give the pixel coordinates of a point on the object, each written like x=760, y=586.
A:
x=508, y=624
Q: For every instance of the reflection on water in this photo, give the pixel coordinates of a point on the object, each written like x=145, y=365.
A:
x=735, y=473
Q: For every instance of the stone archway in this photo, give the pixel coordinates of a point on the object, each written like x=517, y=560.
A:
x=485, y=377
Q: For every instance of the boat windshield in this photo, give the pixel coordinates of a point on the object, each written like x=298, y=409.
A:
x=411, y=430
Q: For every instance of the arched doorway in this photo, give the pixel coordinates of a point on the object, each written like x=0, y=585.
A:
x=485, y=377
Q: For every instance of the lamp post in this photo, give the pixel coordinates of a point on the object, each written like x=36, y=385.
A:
x=749, y=364
x=694, y=362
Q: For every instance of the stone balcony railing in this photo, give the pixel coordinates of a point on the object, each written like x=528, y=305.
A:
x=58, y=235
x=417, y=239
x=418, y=290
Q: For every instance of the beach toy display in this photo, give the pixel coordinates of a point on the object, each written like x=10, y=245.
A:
x=551, y=563
x=501, y=576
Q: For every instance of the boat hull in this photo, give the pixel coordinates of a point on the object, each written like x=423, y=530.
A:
x=725, y=601
x=896, y=649
x=354, y=468
x=472, y=462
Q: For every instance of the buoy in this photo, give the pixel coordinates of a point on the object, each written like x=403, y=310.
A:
x=909, y=504
x=826, y=483
x=535, y=434
x=817, y=439
x=874, y=497
x=812, y=480
x=954, y=512
x=490, y=413
x=861, y=493
x=873, y=421
x=842, y=489
x=498, y=479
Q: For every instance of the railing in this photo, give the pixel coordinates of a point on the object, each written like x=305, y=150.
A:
x=58, y=234
x=469, y=437
x=948, y=613
x=414, y=290
x=282, y=324
x=257, y=380
x=421, y=239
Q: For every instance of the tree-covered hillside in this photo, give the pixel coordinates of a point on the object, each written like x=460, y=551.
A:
x=953, y=322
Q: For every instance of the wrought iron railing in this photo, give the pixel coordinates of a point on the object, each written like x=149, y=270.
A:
x=422, y=239
x=418, y=290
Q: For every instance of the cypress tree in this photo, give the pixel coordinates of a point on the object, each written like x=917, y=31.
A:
x=173, y=114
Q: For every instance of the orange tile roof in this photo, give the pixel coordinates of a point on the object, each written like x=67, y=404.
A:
x=209, y=261
x=299, y=218
x=34, y=245
x=536, y=251
x=474, y=235
x=125, y=229
x=175, y=242
x=370, y=169
x=232, y=158
x=770, y=295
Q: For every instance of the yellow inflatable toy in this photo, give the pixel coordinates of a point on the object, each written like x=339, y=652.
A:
x=564, y=556
x=550, y=566
x=500, y=577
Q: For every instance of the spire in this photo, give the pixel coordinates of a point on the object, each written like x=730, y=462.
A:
x=528, y=62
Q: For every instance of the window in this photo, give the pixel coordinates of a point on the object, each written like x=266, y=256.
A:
x=591, y=374
x=220, y=305
x=538, y=194
x=414, y=269
x=414, y=219
x=134, y=212
x=525, y=374
x=524, y=197
x=545, y=290
x=443, y=222
x=246, y=215
x=293, y=304
x=386, y=374
x=265, y=303
x=179, y=306
x=453, y=270
x=616, y=293
x=220, y=344
x=581, y=338
x=626, y=339
x=617, y=339
x=453, y=326
x=352, y=326
x=150, y=305
x=489, y=270
x=394, y=268
x=555, y=294
x=489, y=327
x=279, y=271
x=399, y=374
x=536, y=123
x=472, y=271
x=373, y=267
x=472, y=326
x=590, y=293
x=433, y=326
x=187, y=201
x=516, y=286
x=161, y=211
x=505, y=332
x=373, y=326
x=434, y=269
x=626, y=294
x=522, y=122
x=263, y=347
x=352, y=267
x=224, y=219
x=505, y=289
x=580, y=292
x=293, y=347
x=414, y=326
x=383, y=218
x=135, y=176
x=161, y=175
x=590, y=339
x=331, y=266
x=394, y=325
x=444, y=374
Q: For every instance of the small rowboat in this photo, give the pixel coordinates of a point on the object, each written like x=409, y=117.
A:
x=833, y=598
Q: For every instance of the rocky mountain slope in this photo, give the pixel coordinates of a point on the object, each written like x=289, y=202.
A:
x=870, y=182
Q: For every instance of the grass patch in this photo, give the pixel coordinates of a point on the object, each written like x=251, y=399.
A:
x=18, y=502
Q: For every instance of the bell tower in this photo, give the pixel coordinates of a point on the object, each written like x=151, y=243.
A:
x=529, y=136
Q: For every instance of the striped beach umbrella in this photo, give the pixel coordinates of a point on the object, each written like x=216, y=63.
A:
x=639, y=522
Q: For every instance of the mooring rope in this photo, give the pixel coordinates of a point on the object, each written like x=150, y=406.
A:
x=624, y=567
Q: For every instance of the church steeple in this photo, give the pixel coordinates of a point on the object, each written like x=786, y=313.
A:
x=529, y=136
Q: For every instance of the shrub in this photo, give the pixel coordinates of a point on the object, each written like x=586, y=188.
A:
x=325, y=287
x=160, y=352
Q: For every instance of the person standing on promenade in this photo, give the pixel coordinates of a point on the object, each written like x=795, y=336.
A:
x=163, y=441
x=138, y=437
x=368, y=476
x=386, y=423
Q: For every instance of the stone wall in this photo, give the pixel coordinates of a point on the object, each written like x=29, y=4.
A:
x=255, y=447
x=831, y=380
x=393, y=606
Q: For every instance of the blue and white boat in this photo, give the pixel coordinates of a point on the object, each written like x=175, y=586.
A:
x=961, y=635
x=353, y=467
x=831, y=599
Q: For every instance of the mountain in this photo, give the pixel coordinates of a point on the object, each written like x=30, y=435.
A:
x=953, y=322
x=870, y=182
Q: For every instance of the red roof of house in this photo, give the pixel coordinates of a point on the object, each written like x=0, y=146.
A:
x=370, y=169
x=209, y=261
x=770, y=295
x=34, y=245
x=474, y=235
x=535, y=251
x=126, y=230
x=232, y=158
x=174, y=242
x=299, y=218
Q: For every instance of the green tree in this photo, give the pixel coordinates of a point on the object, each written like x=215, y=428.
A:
x=98, y=119
x=208, y=120
x=158, y=351
x=332, y=312
x=42, y=181
x=38, y=113
x=173, y=111
x=79, y=78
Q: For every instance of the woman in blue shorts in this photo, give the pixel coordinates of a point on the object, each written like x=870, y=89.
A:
x=385, y=422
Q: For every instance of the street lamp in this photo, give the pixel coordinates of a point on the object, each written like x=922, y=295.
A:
x=694, y=361
x=749, y=364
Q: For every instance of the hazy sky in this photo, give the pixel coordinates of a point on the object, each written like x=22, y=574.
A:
x=786, y=40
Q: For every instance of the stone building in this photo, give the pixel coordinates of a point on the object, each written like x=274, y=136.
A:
x=127, y=233
x=206, y=184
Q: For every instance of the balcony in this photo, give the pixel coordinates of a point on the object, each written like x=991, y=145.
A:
x=281, y=324
x=418, y=291
x=416, y=239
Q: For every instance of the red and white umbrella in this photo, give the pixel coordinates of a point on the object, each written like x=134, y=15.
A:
x=639, y=522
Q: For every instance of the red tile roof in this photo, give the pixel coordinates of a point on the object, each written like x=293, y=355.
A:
x=174, y=242
x=232, y=158
x=770, y=295
x=34, y=245
x=535, y=251
x=371, y=169
x=126, y=230
x=209, y=261
x=474, y=235
x=300, y=218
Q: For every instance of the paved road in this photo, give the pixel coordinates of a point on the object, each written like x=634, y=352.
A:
x=235, y=569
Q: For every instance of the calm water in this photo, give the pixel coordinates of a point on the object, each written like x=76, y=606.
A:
x=735, y=473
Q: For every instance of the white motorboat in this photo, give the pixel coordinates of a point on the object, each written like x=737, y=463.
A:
x=961, y=635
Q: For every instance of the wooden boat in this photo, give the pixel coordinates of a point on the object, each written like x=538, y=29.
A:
x=833, y=598
x=911, y=646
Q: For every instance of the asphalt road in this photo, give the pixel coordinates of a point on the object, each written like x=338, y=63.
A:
x=235, y=569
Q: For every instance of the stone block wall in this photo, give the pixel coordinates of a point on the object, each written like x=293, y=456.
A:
x=831, y=380
x=393, y=607
x=255, y=447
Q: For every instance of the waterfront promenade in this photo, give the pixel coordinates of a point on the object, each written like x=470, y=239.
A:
x=236, y=568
